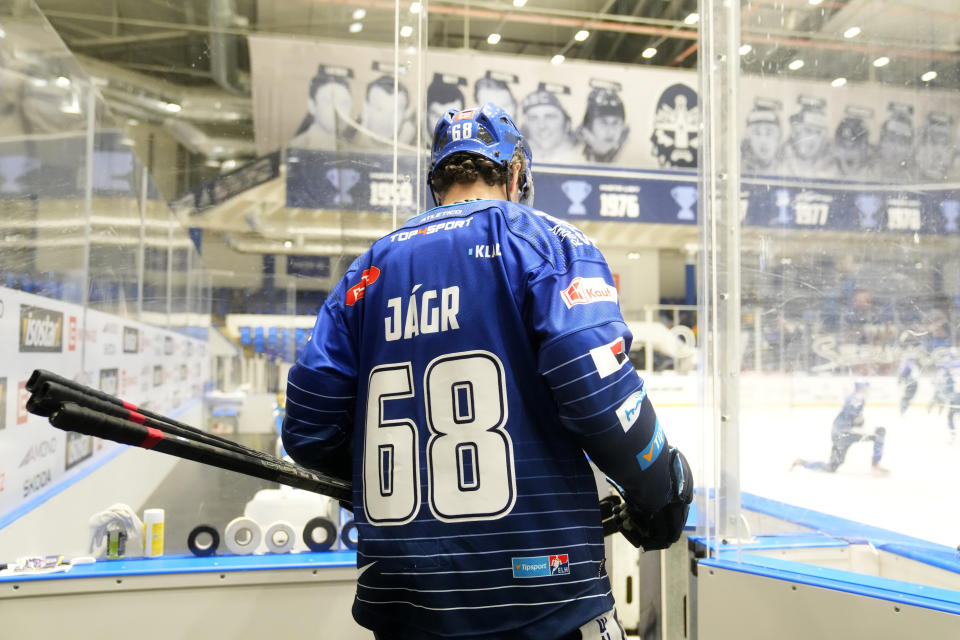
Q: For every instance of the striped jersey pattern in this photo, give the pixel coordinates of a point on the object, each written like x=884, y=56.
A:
x=457, y=373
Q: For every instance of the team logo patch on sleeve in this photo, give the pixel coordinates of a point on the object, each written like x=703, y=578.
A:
x=652, y=451
x=588, y=290
x=609, y=358
x=629, y=409
x=367, y=278
x=541, y=566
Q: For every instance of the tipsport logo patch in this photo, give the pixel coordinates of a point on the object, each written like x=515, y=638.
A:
x=541, y=566
x=464, y=115
x=587, y=291
x=356, y=292
x=608, y=358
x=629, y=409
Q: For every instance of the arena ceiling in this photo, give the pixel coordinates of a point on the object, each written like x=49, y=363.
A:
x=198, y=45
x=194, y=52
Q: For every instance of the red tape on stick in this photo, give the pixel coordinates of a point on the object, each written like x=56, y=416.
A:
x=153, y=437
x=137, y=417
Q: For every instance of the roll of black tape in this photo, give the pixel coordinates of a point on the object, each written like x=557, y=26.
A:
x=195, y=548
x=345, y=532
x=319, y=523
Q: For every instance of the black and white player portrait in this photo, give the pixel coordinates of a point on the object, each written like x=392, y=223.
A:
x=894, y=160
x=329, y=102
x=676, y=123
x=807, y=152
x=494, y=87
x=936, y=151
x=762, y=137
x=385, y=106
x=546, y=124
x=852, y=151
x=443, y=94
x=604, y=128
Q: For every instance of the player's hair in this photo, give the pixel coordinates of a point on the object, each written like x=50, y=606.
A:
x=466, y=168
x=385, y=83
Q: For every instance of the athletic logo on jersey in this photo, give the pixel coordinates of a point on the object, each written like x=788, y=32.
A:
x=608, y=358
x=541, y=566
x=560, y=565
x=628, y=411
x=652, y=451
x=587, y=291
x=368, y=277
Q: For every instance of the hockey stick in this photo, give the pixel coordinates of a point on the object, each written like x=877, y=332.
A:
x=48, y=395
x=70, y=416
x=39, y=376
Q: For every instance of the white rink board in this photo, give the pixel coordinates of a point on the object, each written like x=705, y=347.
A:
x=918, y=496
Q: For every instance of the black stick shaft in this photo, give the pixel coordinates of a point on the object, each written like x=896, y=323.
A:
x=73, y=417
x=39, y=376
x=49, y=395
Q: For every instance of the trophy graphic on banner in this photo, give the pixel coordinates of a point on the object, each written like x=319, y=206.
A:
x=782, y=203
x=576, y=191
x=343, y=180
x=685, y=197
x=951, y=211
x=868, y=205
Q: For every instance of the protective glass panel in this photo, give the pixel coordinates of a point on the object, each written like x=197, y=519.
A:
x=837, y=246
x=99, y=284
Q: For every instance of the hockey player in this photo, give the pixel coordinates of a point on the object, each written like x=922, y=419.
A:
x=942, y=389
x=848, y=428
x=908, y=378
x=457, y=373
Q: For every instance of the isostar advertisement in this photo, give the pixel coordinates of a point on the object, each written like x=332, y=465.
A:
x=609, y=143
x=96, y=349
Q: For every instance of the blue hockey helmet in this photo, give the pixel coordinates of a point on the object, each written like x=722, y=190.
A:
x=485, y=131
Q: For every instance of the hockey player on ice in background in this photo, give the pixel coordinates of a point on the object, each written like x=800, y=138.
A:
x=908, y=378
x=848, y=429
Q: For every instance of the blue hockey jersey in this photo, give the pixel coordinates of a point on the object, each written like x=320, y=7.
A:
x=458, y=372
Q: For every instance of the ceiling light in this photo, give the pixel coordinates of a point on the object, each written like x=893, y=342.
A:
x=228, y=165
x=406, y=31
x=288, y=243
x=838, y=82
x=649, y=52
x=62, y=81
x=359, y=14
x=493, y=38
x=815, y=2
x=882, y=61
x=693, y=18
x=519, y=3
x=415, y=7
x=745, y=49
x=557, y=59
x=172, y=107
x=581, y=35
x=928, y=76
x=3, y=34
x=356, y=27
x=852, y=32
x=796, y=64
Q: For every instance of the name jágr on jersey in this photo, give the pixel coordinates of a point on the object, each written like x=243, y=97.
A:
x=430, y=311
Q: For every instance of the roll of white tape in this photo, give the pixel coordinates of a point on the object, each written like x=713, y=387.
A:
x=242, y=536
x=279, y=537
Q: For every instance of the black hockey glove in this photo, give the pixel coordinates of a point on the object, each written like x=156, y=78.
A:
x=660, y=529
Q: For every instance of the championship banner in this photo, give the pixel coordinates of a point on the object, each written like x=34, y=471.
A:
x=611, y=142
x=154, y=368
